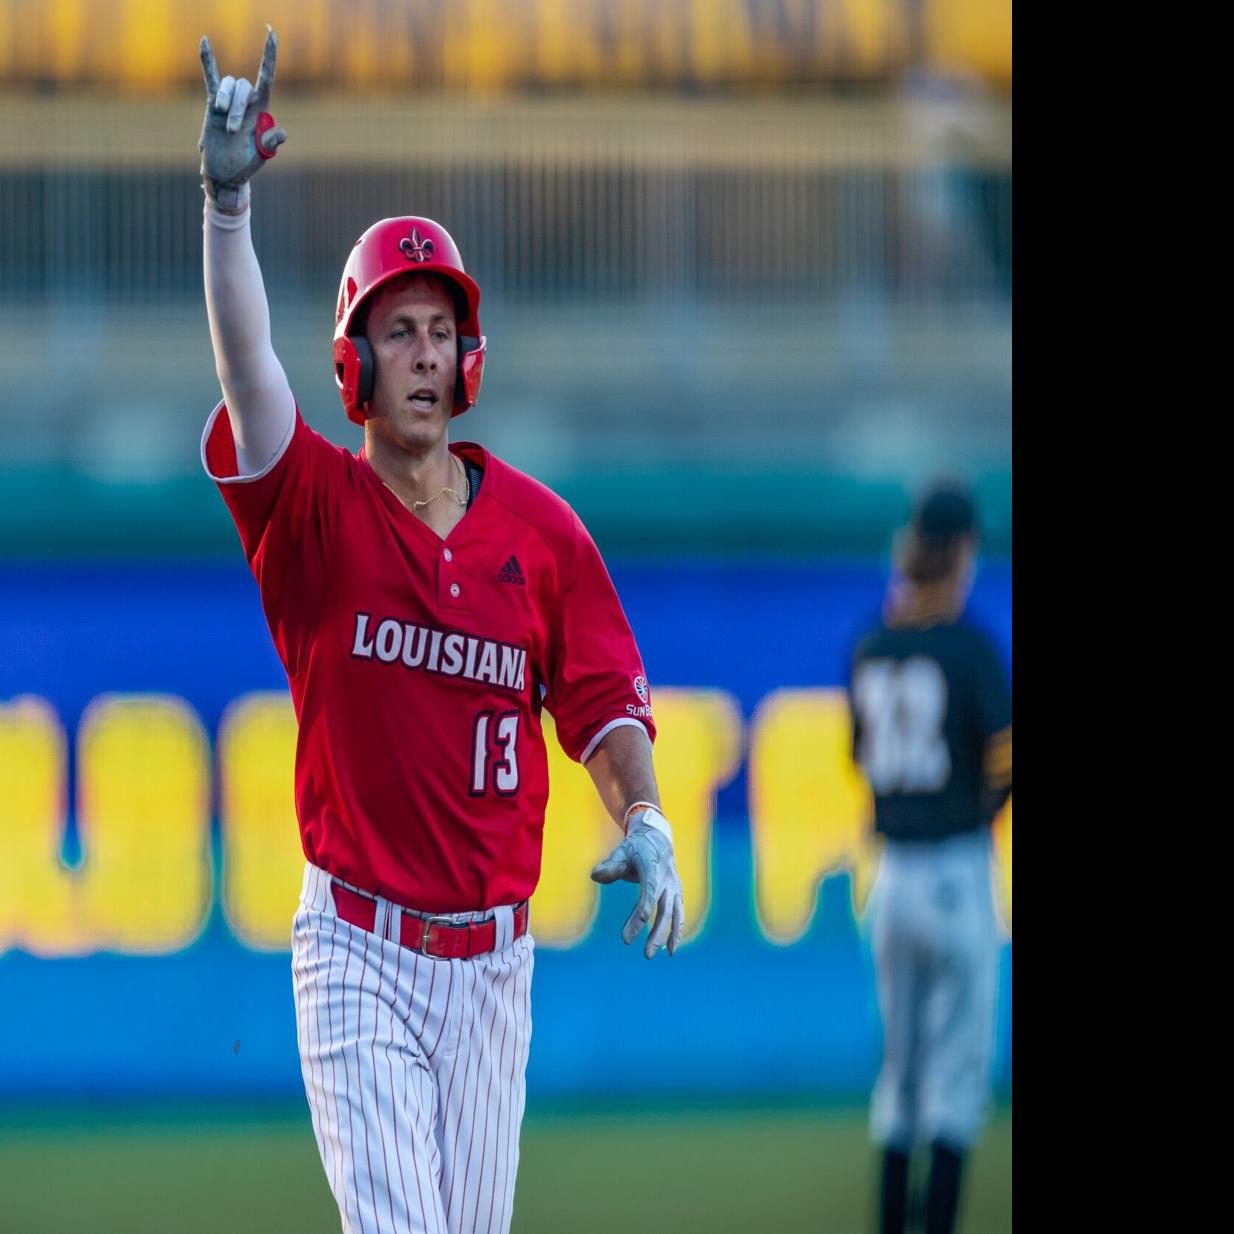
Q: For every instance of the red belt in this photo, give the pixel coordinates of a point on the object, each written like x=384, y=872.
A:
x=432, y=936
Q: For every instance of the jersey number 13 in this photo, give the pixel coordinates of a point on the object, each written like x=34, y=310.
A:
x=494, y=754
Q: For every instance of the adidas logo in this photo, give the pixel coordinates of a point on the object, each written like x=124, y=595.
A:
x=511, y=572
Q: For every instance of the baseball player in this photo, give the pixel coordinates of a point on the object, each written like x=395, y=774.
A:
x=427, y=600
x=931, y=712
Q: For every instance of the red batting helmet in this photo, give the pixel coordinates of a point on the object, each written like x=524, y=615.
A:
x=390, y=248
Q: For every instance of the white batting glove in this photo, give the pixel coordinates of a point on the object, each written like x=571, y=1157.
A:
x=645, y=857
x=237, y=135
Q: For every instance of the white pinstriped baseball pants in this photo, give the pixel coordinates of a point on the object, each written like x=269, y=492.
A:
x=414, y=1069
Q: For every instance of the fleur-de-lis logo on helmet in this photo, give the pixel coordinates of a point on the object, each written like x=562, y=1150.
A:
x=417, y=248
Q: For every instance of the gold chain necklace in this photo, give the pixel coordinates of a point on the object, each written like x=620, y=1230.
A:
x=428, y=501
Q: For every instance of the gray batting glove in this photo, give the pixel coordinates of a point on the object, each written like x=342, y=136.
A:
x=645, y=857
x=238, y=134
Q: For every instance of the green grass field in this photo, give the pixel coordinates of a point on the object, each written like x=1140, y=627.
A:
x=706, y=1171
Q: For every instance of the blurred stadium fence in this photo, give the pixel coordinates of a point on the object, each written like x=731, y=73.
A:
x=696, y=297
x=781, y=201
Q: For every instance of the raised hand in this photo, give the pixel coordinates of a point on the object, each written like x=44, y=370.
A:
x=238, y=134
x=645, y=857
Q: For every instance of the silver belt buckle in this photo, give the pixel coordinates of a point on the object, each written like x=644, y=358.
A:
x=429, y=921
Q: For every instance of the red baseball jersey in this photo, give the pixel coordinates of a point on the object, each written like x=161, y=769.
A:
x=418, y=666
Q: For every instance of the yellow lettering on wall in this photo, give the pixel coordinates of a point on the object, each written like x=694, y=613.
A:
x=1002, y=864
x=263, y=861
x=698, y=750
x=144, y=880
x=35, y=888
x=577, y=833
x=143, y=825
x=809, y=807
x=144, y=822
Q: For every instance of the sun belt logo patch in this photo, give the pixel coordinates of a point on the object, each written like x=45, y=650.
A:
x=640, y=711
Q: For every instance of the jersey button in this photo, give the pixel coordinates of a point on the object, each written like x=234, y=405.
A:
x=454, y=590
x=449, y=556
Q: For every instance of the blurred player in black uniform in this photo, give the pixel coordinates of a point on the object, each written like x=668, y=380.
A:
x=932, y=732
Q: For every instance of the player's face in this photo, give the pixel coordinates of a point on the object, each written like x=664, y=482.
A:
x=415, y=346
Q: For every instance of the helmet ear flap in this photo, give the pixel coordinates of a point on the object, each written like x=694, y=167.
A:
x=470, y=372
x=354, y=371
x=368, y=368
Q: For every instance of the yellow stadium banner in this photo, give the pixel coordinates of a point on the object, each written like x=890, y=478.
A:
x=144, y=881
x=810, y=808
x=493, y=46
x=811, y=813
x=263, y=862
x=36, y=909
x=698, y=751
x=1002, y=861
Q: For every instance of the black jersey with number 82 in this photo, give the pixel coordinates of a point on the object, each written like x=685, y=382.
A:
x=926, y=704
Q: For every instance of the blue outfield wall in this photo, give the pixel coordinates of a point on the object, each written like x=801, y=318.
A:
x=732, y=1013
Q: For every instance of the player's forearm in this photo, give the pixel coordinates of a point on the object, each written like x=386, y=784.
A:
x=235, y=296
x=258, y=396
x=622, y=770
x=623, y=774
